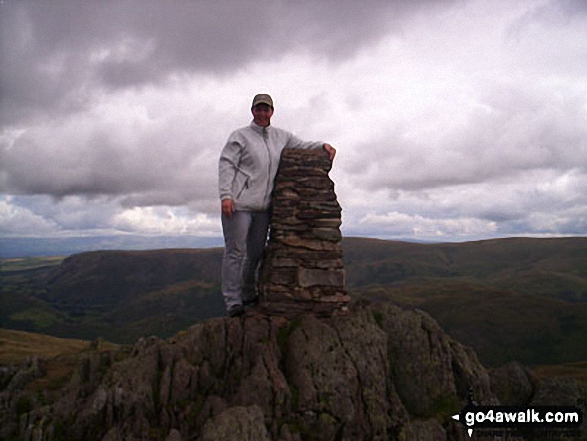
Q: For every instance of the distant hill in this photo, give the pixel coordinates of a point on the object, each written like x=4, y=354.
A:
x=19, y=247
x=555, y=268
x=16, y=346
x=118, y=295
x=511, y=299
x=523, y=299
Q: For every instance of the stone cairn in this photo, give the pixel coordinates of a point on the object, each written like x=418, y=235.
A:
x=302, y=270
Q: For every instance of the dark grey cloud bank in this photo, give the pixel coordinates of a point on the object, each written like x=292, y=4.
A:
x=55, y=54
x=59, y=57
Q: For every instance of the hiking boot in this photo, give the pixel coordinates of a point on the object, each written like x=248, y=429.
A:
x=236, y=311
x=251, y=303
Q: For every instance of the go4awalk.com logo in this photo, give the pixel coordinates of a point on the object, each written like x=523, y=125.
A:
x=562, y=420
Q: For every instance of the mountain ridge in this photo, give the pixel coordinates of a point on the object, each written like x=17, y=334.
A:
x=472, y=289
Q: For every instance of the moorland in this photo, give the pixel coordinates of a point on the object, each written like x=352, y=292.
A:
x=510, y=299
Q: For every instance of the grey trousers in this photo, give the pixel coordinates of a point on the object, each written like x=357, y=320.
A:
x=245, y=234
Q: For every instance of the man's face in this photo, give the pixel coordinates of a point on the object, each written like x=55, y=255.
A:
x=262, y=114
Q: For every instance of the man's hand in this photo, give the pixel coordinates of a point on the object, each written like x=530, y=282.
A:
x=330, y=150
x=227, y=207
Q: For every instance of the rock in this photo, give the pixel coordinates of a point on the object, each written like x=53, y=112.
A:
x=512, y=384
x=429, y=430
x=561, y=392
x=339, y=377
x=558, y=392
x=302, y=270
x=432, y=372
x=318, y=277
x=237, y=423
x=28, y=371
x=366, y=345
x=174, y=435
x=268, y=377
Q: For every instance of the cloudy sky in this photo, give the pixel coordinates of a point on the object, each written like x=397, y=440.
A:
x=454, y=120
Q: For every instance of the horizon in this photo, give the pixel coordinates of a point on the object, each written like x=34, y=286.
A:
x=31, y=247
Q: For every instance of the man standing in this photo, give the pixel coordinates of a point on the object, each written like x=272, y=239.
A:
x=247, y=168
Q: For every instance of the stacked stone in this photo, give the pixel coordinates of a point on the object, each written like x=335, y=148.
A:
x=302, y=270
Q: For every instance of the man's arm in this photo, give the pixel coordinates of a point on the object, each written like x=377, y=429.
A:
x=227, y=168
x=297, y=143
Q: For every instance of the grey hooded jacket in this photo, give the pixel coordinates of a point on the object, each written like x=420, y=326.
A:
x=249, y=162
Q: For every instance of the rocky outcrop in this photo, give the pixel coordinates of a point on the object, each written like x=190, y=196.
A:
x=513, y=384
x=13, y=378
x=302, y=270
x=246, y=423
x=374, y=374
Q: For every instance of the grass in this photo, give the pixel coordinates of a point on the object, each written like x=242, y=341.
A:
x=15, y=346
x=444, y=407
x=28, y=263
x=57, y=373
x=58, y=357
x=23, y=405
x=577, y=371
x=39, y=318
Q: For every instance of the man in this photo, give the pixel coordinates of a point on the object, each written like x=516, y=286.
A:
x=247, y=168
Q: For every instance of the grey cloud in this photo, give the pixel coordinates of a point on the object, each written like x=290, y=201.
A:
x=151, y=170
x=39, y=215
x=60, y=57
x=67, y=214
x=513, y=132
x=557, y=13
x=477, y=211
x=538, y=202
x=54, y=55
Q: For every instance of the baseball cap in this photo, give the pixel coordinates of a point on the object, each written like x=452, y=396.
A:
x=262, y=98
